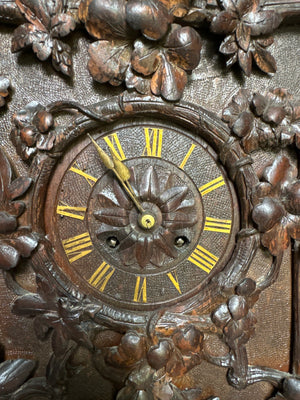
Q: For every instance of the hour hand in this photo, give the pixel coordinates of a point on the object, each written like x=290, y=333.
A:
x=120, y=170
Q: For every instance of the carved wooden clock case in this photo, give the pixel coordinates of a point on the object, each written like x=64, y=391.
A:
x=149, y=201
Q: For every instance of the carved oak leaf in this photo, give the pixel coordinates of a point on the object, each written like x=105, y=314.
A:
x=243, y=21
x=46, y=23
x=178, y=54
x=4, y=90
x=149, y=246
x=277, y=209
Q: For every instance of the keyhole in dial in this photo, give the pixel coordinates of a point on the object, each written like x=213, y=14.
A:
x=181, y=241
x=112, y=242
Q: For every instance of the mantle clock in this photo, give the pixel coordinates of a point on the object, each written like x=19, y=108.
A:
x=149, y=200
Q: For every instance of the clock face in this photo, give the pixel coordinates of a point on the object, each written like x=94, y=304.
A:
x=152, y=239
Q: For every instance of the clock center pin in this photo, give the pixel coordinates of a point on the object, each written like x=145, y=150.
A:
x=147, y=220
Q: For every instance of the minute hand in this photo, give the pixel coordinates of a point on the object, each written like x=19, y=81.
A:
x=120, y=170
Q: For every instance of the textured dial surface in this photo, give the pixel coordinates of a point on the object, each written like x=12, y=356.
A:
x=102, y=241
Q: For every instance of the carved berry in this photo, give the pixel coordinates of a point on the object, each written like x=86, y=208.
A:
x=188, y=340
x=238, y=307
x=291, y=389
x=292, y=199
x=44, y=121
x=132, y=345
x=159, y=355
x=28, y=135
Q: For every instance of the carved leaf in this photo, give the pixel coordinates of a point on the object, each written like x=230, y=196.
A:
x=8, y=223
x=280, y=172
x=178, y=8
x=172, y=198
x=183, y=47
x=168, y=81
x=144, y=58
x=228, y=46
x=121, y=196
x=149, y=187
x=245, y=61
x=104, y=19
x=9, y=256
x=36, y=13
x=62, y=25
x=262, y=22
x=243, y=36
x=30, y=305
x=113, y=216
x=276, y=239
x=10, y=12
x=25, y=244
x=264, y=60
x=165, y=241
x=151, y=17
x=144, y=250
x=61, y=59
x=23, y=37
x=224, y=23
x=109, y=61
x=13, y=373
x=18, y=187
x=176, y=221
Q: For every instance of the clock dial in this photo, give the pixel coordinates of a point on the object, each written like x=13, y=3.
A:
x=146, y=224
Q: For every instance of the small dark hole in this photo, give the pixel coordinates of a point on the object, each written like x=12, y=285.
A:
x=181, y=241
x=112, y=242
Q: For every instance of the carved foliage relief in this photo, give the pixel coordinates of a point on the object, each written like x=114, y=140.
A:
x=150, y=45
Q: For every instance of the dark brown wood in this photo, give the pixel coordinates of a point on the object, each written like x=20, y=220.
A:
x=157, y=270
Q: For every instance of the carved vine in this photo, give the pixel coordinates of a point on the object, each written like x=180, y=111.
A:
x=150, y=45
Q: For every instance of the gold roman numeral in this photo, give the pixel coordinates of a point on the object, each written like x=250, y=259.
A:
x=174, y=280
x=101, y=276
x=70, y=211
x=212, y=185
x=217, y=225
x=203, y=259
x=77, y=246
x=114, y=144
x=140, y=291
x=89, y=178
x=188, y=154
x=153, y=137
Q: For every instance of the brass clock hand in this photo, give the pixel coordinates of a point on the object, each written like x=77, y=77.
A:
x=120, y=170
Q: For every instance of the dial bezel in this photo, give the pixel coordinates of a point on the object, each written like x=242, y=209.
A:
x=152, y=303
x=201, y=123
